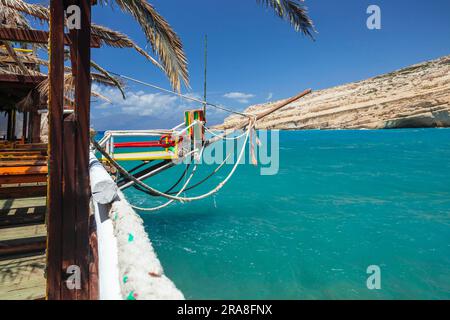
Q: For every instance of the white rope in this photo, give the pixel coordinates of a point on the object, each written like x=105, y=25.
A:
x=188, y=127
x=213, y=191
x=162, y=194
x=220, y=185
x=180, y=192
x=182, y=95
x=151, y=173
x=223, y=137
x=177, y=127
x=178, y=198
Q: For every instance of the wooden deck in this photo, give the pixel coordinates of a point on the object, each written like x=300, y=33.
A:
x=22, y=278
x=22, y=247
x=22, y=223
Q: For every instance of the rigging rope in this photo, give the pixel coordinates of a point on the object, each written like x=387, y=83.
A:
x=176, y=197
x=181, y=190
x=168, y=191
x=207, y=177
x=182, y=95
x=222, y=136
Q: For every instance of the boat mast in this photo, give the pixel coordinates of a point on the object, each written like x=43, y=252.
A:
x=205, y=82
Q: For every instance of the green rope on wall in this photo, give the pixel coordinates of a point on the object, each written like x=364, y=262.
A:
x=131, y=296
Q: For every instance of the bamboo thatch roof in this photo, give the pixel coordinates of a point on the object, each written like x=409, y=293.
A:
x=26, y=62
x=14, y=61
x=164, y=41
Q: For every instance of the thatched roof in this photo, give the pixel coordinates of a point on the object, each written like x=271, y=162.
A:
x=15, y=65
x=24, y=62
x=164, y=41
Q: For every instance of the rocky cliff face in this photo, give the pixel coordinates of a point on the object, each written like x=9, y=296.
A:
x=416, y=96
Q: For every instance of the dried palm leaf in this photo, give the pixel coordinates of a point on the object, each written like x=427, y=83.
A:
x=117, y=39
x=98, y=95
x=108, y=77
x=15, y=57
x=164, y=41
x=35, y=10
x=27, y=103
x=107, y=36
x=12, y=18
x=103, y=77
x=294, y=12
x=69, y=87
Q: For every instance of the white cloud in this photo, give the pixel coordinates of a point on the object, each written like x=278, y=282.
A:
x=239, y=96
x=149, y=109
x=138, y=102
x=269, y=96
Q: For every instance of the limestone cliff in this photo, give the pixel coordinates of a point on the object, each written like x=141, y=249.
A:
x=416, y=96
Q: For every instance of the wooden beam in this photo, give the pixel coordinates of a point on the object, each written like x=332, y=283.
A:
x=26, y=219
x=6, y=154
x=28, y=178
x=37, y=36
x=14, y=171
x=17, y=78
x=22, y=163
x=25, y=126
x=261, y=115
x=69, y=230
x=26, y=174
x=23, y=157
x=19, y=147
x=54, y=194
x=21, y=246
x=82, y=114
x=35, y=127
x=276, y=107
x=22, y=192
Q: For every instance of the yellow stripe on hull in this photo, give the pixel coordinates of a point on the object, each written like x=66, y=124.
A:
x=144, y=156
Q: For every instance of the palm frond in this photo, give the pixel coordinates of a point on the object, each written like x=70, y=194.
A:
x=35, y=10
x=107, y=36
x=294, y=12
x=99, y=95
x=164, y=41
x=69, y=89
x=117, y=39
x=103, y=78
x=12, y=18
x=106, y=77
x=26, y=104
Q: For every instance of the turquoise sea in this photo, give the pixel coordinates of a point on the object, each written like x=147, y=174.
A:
x=341, y=201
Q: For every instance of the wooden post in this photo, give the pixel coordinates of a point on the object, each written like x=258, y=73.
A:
x=69, y=205
x=25, y=127
x=68, y=191
x=82, y=115
x=9, y=125
x=70, y=199
x=11, y=130
x=55, y=150
x=34, y=127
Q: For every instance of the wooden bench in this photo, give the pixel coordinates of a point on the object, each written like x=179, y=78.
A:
x=22, y=146
x=23, y=174
x=22, y=211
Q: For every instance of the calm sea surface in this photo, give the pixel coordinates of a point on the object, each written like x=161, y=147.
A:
x=342, y=201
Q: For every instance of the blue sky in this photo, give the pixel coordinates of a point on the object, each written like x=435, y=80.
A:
x=254, y=56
